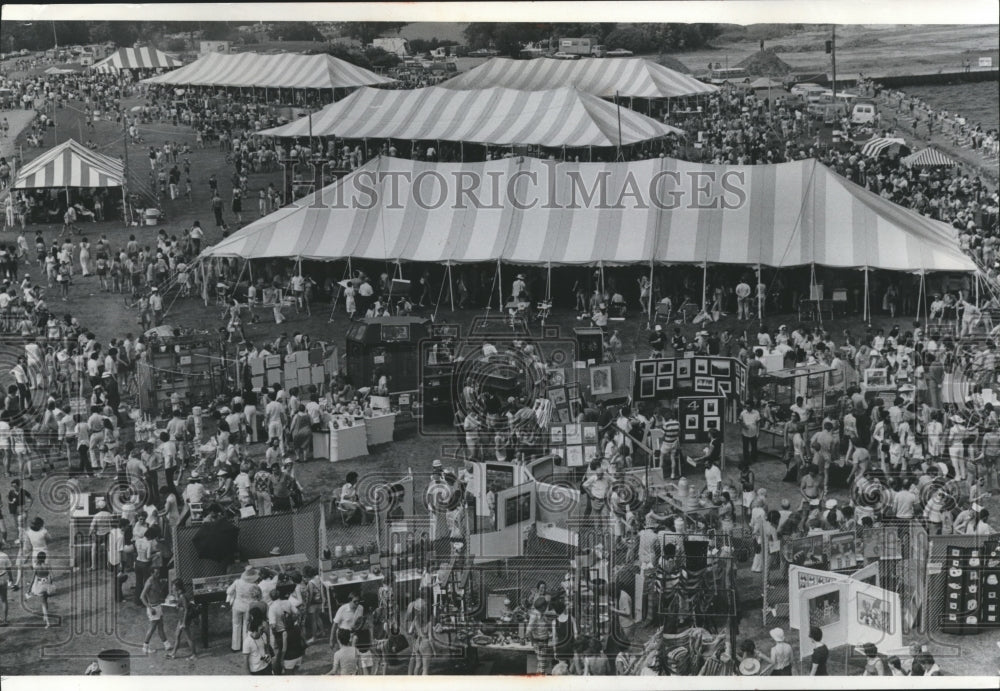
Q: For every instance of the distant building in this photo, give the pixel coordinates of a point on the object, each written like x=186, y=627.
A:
x=206, y=47
x=398, y=45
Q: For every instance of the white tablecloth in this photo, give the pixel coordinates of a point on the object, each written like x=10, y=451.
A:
x=341, y=444
x=380, y=428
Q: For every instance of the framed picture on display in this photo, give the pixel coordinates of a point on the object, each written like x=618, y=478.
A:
x=589, y=453
x=557, y=394
x=723, y=386
x=574, y=456
x=557, y=435
x=573, y=435
x=684, y=368
x=647, y=368
x=704, y=385
x=557, y=376
x=665, y=367
x=665, y=383
x=559, y=451
x=573, y=390
x=647, y=387
x=720, y=368
x=711, y=407
x=600, y=380
x=691, y=422
x=589, y=433
x=711, y=423
x=701, y=366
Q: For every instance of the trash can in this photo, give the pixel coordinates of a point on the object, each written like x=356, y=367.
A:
x=114, y=662
x=152, y=217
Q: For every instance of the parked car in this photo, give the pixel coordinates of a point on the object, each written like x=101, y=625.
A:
x=566, y=56
x=863, y=112
x=619, y=53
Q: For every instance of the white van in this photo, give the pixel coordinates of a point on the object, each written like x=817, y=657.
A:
x=863, y=113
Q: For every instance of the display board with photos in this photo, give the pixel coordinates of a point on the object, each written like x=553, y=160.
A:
x=697, y=416
x=700, y=376
x=576, y=443
x=566, y=403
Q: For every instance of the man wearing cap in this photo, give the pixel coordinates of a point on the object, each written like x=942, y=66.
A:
x=657, y=342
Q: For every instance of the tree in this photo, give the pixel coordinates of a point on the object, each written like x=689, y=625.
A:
x=299, y=31
x=366, y=32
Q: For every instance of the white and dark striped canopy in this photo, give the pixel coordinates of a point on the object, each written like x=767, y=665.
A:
x=602, y=77
x=660, y=210
x=136, y=59
x=71, y=164
x=285, y=71
x=928, y=158
x=557, y=117
x=876, y=146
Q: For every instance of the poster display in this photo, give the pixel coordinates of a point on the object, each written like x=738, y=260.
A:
x=699, y=415
x=802, y=577
x=670, y=377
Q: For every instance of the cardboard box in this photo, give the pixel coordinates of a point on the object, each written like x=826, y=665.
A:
x=317, y=375
x=257, y=381
x=257, y=366
x=291, y=371
x=303, y=376
x=301, y=358
x=273, y=376
x=272, y=361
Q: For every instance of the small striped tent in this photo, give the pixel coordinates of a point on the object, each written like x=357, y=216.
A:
x=136, y=59
x=599, y=76
x=70, y=164
x=928, y=158
x=554, y=118
x=877, y=146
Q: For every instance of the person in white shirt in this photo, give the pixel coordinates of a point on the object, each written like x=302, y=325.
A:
x=156, y=305
x=743, y=300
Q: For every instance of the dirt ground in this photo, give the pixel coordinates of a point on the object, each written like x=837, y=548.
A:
x=72, y=643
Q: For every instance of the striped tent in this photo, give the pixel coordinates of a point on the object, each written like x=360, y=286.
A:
x=928, y=158
x=876, y=146
x=524, y=210
x=285, y=71
x=136, y=59
x=558, y=117
x=599, y=76
x=71, y=164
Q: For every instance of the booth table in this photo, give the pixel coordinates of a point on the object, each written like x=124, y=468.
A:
x=341, y=443
x=380, y=428
x=331, y=581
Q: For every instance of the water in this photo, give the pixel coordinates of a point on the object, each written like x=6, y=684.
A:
x=977, y=102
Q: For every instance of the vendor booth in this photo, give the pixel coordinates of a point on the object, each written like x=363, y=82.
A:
x=386, y=346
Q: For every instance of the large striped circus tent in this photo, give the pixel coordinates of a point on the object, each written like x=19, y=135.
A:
x=283, y=71
x=137, y=59
x=70, y=165
x=603, y=77
x=553, y=118
x=660, y=211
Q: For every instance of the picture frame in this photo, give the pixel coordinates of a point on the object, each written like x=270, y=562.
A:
x=573, y=434
x=684, y=368
x=557, y=376
x=711, y=407
x=573, y=391
x=701, y=366
x=665, y=383
x=558, y=396
x=665, y=368
x=720, y=368
x=590, y=433
x=647, y=387
x=557, y=435
x=647, y=368
x=589, y=453
x=724, y=386
x=559, y=452
x=691, y=422
x=574, y=456
x=711, y=423
x=600, y=380
x=704, y=385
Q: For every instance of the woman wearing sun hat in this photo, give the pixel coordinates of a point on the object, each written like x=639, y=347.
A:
x=239, y=596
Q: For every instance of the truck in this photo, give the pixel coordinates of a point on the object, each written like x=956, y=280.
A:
x=584, y=47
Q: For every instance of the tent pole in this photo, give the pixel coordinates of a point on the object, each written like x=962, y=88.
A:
x=451, y=288
x=499, y=287
x=350, y=269
x=866, y=316
x=920, y=293
x=812, y=284
x=591, y=153
x=975, y=277
x=604, y=289
x=760, y=302
x=649, y=300
x=461, y=151
x=704, y=284
x=548, y=283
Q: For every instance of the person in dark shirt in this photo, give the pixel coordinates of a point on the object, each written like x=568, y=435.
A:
x=820, y=653
x=657, y=342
